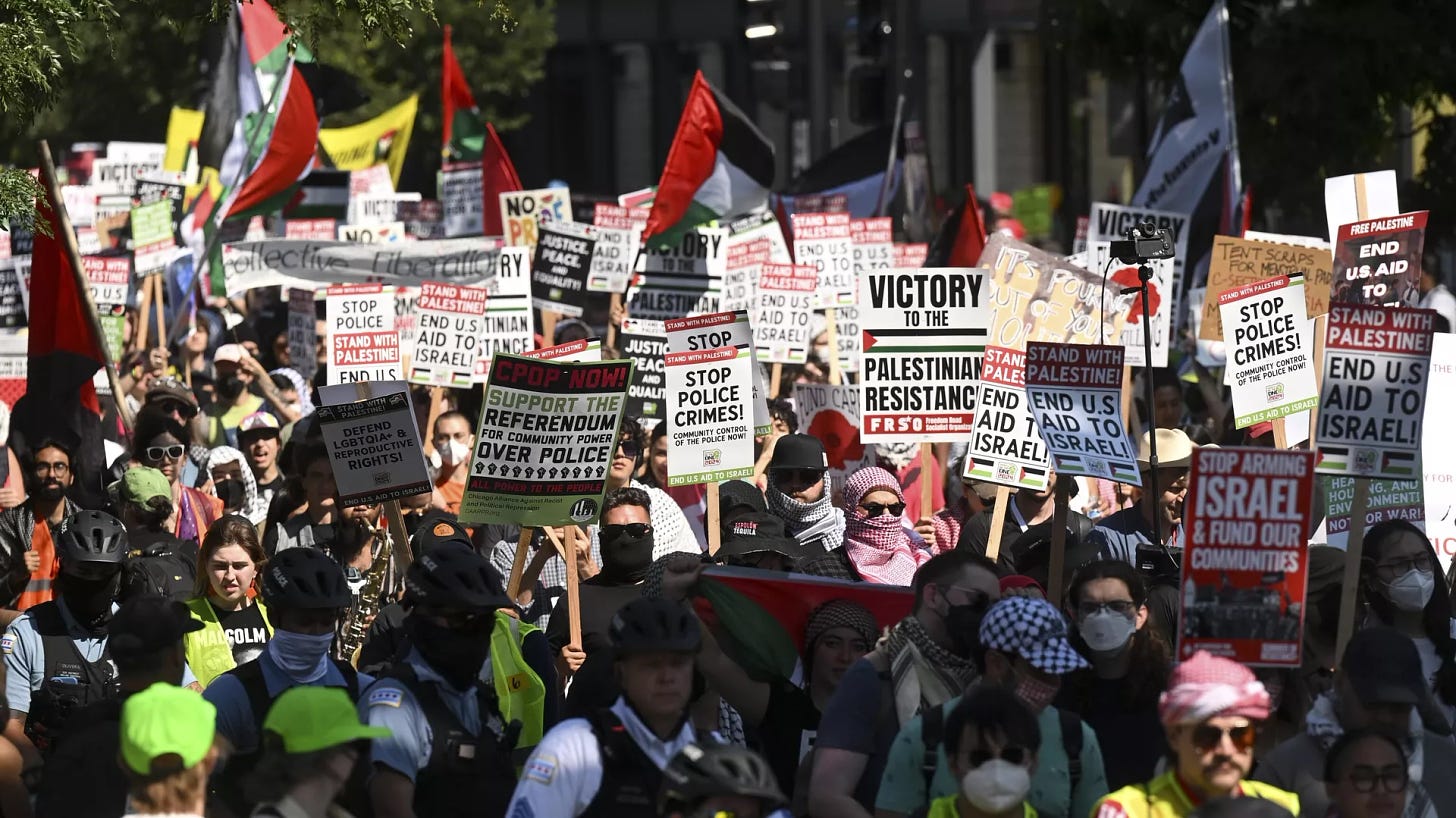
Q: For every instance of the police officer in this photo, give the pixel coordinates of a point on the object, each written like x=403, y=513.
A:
x=465, y=701
x=55, y=654
x=305, y=593
x=610, y=763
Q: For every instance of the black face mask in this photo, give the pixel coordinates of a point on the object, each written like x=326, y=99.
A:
x=963, y=622
x=232, y=493
x=89, y=600
x=229, y=387
x=625, y=558
x=455, y=653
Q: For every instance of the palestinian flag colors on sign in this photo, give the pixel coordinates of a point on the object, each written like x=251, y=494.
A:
x=719, y=165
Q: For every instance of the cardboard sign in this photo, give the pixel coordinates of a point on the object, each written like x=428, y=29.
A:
x=509, y=318
x=644, y=343
x=831, y=414
x=374, y=448
x=110, y=278
x=546, y=437
x=559, y=269
x=1041, y=297
x=1244, y=568
x=363, y=344
x=1235, y=262
x=1379, y=261
x=1271, y=371
x=910, y=254
x=1374, y=391
x=374, y=233
x=447, y=341
x=312, y=264
x=1006, y=447
x=924, y=332
x=723, y=329
x=315, y=229
x=614, y=258
x=821, y=240
x=523, y=211
x=784, y=319
x=711, y=434
x=462, y=192
x=1075, y=392
x=151, y=237
x=682, y=280
x=302, y=333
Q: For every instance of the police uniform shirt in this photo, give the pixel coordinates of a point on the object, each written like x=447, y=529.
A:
x=390, y=704
x=564, y=772
x=25, y=655
x=235, y=720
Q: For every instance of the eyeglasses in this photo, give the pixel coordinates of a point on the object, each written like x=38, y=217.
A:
x=1395, y=568
x=1392, y=779
x=53, y=468
x=877, y=509
x=157, y=454
x=1208, y=737
x=630, y=529
x=631, y=448
x=1121, y=606
x=1013, y=755
x=798, y=477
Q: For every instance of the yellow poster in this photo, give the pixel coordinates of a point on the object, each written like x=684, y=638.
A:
x=385, y=138
x=184, y=127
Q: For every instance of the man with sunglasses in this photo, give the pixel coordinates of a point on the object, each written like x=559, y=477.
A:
x=798, y=495
x=1380, y=685
x=1211, y=712
x=26, y=531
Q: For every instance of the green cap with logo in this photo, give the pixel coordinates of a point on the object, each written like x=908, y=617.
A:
x=166, y=729
x=316, y=718
x=142, y=483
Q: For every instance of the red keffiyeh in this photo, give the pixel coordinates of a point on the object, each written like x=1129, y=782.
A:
x=1206, y=686
x=878, y=546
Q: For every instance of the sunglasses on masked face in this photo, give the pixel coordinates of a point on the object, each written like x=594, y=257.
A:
x=614, y=531
x=876, y=509
x=798, y=477
x=630, y=448
x=1207, y=737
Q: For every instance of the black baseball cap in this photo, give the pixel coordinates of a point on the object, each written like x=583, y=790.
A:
x=1384, y=667
x=149, y=624
x=756, y=533
x=435, y=529
x=798, y=451
x=736, y=495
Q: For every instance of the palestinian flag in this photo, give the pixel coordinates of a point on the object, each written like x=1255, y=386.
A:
x=466, y=137
x=962, y=236
x=719, y=165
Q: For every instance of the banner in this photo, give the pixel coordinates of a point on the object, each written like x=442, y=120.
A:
x=1234, y=263
x=784, y=322
x=615, y=256
x=723, y=329
x=447, y=340
x=821, y=240
x=1244, y=569
x=385, y=138
x=710, y=438
x=363, y=345
x=1379, y=261
x=644, y=343
x=559, y=269
x=1075, y=393
x=1374, y=391
x=522, y=212
x=462, y=198
x=683, y=280
x=924, y=332
x=374, y=448
x=1041, y=297
x=313, y=264
x=1271, y=371
x=1107, y=223
x=302, y=332
x=547, y=434
x=1006, y=447
x=508, y=314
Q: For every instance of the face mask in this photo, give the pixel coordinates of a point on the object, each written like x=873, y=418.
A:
x=625, y=558
x=230, y=387
x=231, y=493
x=1106, y=631
x=302, y=657
x=454, y=452
x=456, y=654
x=89, y=600
x=996, y=786
x=1035, y=693
x=1411, y=591
x=964, y=624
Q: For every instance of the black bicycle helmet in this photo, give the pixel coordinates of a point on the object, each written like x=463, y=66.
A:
x=454, y=576
x=305, y=578
x=91, y=537
x=700, y=772
x=655, y=625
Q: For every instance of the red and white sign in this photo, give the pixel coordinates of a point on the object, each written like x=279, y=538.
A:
x=447, y=338
x=784, y=319
x=822, y=241
x=363, y=344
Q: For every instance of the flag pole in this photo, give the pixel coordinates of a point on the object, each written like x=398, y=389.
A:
x=880, y=203
x=78, y=272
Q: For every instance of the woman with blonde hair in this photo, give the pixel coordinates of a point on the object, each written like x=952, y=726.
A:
x=235, y=623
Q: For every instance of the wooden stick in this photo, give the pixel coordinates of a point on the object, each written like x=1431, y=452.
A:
x=67, y=238
x=573, y=594
x=158, y=297
x=1320, y=325
x=1354, y=547
x=773, y=381
x=998, y=519
x=518, y=563
x=142, y=310
x=1281, y=434
x=927, y=458
x=1058, y=562
x=715, y=527
x=836, y=377
x=1362, y=200
x=427, y=434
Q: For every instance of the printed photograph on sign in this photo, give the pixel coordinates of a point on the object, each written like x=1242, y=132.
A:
x=1379, y=261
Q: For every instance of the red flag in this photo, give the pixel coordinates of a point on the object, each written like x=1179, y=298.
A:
x=63, y=349
x=970, y=238
x=464, y=139
x=499, y=176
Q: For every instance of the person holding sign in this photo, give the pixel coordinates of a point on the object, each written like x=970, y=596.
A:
x=1121, y=535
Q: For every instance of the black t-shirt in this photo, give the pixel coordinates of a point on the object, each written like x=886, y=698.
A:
x=1131, y=737
x=599, y=603
x=271, y=488
x=790, y=723
x=246, y=632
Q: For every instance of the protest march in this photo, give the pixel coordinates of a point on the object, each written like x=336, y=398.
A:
x=325, y=492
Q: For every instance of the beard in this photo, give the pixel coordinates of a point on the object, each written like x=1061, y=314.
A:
x=230, y=388
x=50, y=491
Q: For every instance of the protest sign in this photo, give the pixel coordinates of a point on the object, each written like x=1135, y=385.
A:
x=1374, y=391
x=302, y=332
x=547, y=434
x=1387, y=500
x=381, y=209
x=1041, y=297
x=745, y=263
x=312, y=264
x=373, y=180
x=924, y=332
x=363, y=345
x=1006, y=447
x=784, y=318
x=761, y=226
x=872, y=247
x=1244, y=569
x=374, y=448
x=587, y=350
x=80, y=201
x=406, y=320
x=14, y=310
x=821, y=240
x=1271, y=371
x=163, y=187
x=559, y=268
x=1108, y=223
x=508, y=314
x=681, y=280
x=1235, y=262
x=110, y=278
x=710, y=438
x=462, y=192
x=1440, y=468
x=723, y=329
x=522, y=212
x=315, y=229
x=1379, y=261
x=118, y=175
x=644, y=343
x=1359, y=196
x=910, y=254
x=614, y=258
x=1075, y=393
x=831, y=414
x=151, y=237
x=447, y=341
x=373, y=233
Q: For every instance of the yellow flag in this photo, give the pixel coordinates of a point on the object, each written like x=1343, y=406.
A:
x=184, y=127
x=385, y=138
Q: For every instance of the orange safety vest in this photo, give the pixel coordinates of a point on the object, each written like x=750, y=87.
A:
x=40, y=588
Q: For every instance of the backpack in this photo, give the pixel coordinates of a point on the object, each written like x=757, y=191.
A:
x=160, y=569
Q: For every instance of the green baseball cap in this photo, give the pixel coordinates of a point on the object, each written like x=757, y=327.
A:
x=315, y=718
x=141, y=483
x=166, y=729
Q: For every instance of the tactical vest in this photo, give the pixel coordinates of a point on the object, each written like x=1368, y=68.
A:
x=70, y=682
x=630, y=779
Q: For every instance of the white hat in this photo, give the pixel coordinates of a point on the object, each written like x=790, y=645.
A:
x=1175, y=450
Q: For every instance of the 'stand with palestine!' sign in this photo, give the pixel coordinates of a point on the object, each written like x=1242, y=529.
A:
x=1075, y=392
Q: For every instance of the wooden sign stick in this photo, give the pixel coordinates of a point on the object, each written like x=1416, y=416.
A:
x=998, y=519
x=1354, y=548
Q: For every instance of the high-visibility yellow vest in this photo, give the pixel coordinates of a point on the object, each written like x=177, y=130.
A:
x=208, y=652
x=519, y=691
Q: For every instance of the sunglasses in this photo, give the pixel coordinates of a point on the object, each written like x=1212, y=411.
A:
x=185, y=410
x=799, y=477
x=1012, y=755
x=631, y=448
x=630, y=529
x=877, y=509
x=1207, y=737
x=157, y=454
